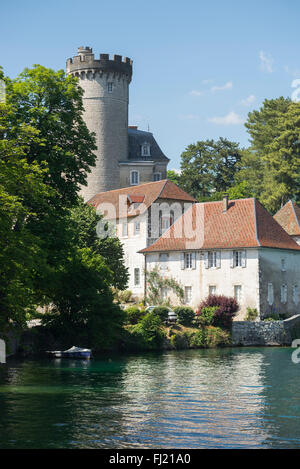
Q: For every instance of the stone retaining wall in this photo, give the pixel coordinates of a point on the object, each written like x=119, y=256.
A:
x=266, y=332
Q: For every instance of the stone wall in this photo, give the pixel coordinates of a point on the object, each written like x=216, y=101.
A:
x=266, y=332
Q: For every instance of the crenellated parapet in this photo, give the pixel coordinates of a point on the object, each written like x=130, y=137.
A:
x=85, y=63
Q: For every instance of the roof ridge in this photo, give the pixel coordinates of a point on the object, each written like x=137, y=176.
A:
x=128, y=187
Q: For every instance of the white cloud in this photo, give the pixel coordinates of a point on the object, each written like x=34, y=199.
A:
x=230, y=119
x=196, y=93
x=266, y=62
x=248, y=101
x=227, y=86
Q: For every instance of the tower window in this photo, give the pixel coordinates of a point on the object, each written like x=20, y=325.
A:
x=156, y=176
x=134, y=178
x=109, y=87
x=145, y=150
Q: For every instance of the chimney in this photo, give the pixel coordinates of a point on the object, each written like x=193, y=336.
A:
x=134, y=127
x=225, y=203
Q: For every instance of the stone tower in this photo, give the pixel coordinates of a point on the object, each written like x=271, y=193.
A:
x=106, y=91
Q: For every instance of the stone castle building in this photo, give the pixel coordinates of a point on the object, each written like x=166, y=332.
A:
x=126, y=156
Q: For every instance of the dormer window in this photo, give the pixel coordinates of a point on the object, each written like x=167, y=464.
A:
x=145, y=151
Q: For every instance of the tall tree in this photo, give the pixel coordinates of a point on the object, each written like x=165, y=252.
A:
x=209, y=166
x=275, y=146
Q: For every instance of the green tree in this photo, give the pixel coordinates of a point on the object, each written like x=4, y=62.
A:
x=275, y=140
x=209, y=166
x=46, y=255
x=24, y=197
x=173, y=176
x=51, y=103
x=82, y=303
x=83, y=221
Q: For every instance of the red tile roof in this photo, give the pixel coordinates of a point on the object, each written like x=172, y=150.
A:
x=289, y=218
x=146, y=194
x=246, y=223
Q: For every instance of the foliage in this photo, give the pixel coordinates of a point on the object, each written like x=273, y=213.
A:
x=210, y=337
x=224, y=314
x=134, y=314
x=155, y=283
x=173, y=176
x=185, y=315
x=82, y=305
x=51, y=103
x=161, y=312
x=209, y=166
x=206, y=316
x=275, y=141
x=216, y=337
x=179, y=341
x=149, y=332
x=83, y=221
x=124, y=296
x=49, y=252
x=252, y=314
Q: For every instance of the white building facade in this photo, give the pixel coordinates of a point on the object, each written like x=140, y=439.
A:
x=242, y=253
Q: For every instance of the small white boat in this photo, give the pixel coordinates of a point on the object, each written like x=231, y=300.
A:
x=73, y=352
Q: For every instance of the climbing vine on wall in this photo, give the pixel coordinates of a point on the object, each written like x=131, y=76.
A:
x=155, y=284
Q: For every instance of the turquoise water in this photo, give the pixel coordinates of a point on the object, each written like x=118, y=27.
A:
x=224, y=398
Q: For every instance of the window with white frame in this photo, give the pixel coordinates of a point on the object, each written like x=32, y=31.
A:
x=156, y=176
x=134, y=178
x=213, y=259
x=188, y=294
x=212, y=289
x=188, y=260
x=137, y=228
x=238, y=293
x=238, y=258
x=283, y=291
x=124, y=228
x=163, y=261
x=109, y=87
x=296, y=294
x=270, y=293
x=137, y=276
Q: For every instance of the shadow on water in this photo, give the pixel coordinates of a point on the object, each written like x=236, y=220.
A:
x=217, y=398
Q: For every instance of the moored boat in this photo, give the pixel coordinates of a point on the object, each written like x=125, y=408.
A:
x=73, y=352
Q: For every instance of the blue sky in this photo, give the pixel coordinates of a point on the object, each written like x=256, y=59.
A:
x=199, y=66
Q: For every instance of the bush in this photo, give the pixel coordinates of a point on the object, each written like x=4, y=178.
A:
x=197, y=340
x=206, y=317
x=179, y=341
x=225, y=312
x=209, y=337
x=133, y=314
x=216, y=337
x=161, y=312
x=185, y=315
x=124, y=296
x=252, y=314
x=149, y=332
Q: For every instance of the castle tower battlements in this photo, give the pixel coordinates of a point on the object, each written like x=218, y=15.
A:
x=105, y=83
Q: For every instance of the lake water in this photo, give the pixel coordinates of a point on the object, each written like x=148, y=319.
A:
x=222, y=398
